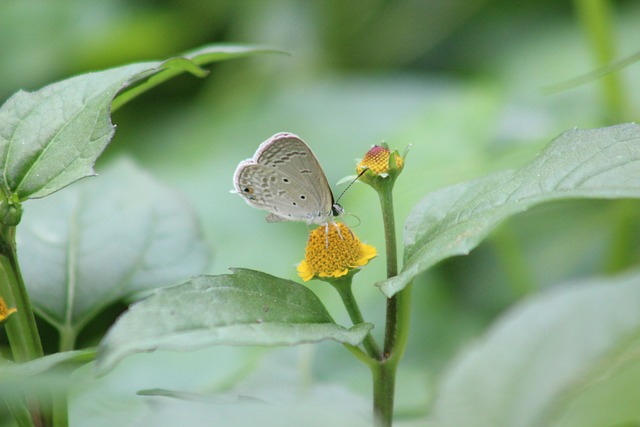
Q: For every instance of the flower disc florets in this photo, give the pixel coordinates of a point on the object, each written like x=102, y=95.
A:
x=380, y=166
x=377, y=160
x=333, y=251
x=5, y=312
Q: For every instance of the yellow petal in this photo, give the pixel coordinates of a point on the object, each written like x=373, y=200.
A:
x=5, y=312
x=304, y=271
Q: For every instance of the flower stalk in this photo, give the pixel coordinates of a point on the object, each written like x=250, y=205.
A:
x=21, y=328
x=343, y=286
x=334, y=254
x=380, y=169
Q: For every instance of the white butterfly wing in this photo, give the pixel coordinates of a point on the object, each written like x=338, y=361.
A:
x=285, y=178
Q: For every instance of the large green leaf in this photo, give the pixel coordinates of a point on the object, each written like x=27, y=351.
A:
x=16, y=378
x=235, y=386
x=244, y=308
x=317, y=406
x=569, y=357
x=189, y=61
x=105, y=239
x=52, y=137
x=598, y=163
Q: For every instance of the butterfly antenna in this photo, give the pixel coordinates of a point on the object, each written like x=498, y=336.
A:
x=350, y=184
x=356, y=217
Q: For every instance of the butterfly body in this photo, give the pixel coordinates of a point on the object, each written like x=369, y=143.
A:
x=284, y=178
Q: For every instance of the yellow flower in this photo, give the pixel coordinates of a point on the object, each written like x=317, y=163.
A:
x=332, y=251
x=4, y=311
x=377, y=160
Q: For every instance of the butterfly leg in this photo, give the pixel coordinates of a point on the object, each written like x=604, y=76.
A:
x=326, y=234
x=338, y=230
x=353, y=236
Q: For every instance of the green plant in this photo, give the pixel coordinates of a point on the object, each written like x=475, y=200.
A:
x=559, y=359
x=50, y=139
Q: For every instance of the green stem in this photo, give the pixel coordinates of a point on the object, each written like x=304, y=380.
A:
x=518, y=272
x=20, y=413
x=384, y=373
x=621, y=250
x=21, y=326
x=596, y=18
x=384, y=382
x=60, y=412
x=388, y=219
x=68, y=338
x=360, y=355
x=403, y=319
x=385, y=194
x=59, y=404
x=397, y=320
x=343, y=286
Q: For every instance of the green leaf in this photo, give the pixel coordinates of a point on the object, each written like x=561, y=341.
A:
x=16, y=378
x=318, y=406
x=217, y=369
x=599, y=163
x=52, y=137
x=9, y=370
x=569, y=357
x=189, y=61
x=105, y=239
x=244, y=308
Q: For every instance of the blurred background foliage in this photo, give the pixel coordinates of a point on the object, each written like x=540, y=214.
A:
x=460, y=80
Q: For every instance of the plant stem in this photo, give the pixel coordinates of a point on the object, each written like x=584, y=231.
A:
x=20, y=413
x=59, y=403
x=403, y=318
x=517, y=270
x=67, y=339
x=388, y=218
x=386, y=203
x=384, y=372
x=360, y=355
x=60, y=411
x=397, y=321
x=343, y=286
x=621, y=253
x=21, y=327
x=384, y=379
x=596, y=19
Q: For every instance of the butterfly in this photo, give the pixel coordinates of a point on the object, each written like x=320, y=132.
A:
x=285, y=178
